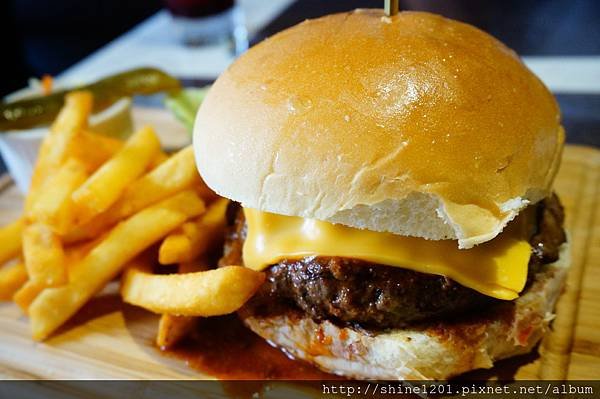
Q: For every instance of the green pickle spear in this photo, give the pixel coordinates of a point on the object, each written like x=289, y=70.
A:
x=39, y=110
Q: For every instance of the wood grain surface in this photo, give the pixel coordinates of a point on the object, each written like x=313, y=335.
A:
x=110, y=340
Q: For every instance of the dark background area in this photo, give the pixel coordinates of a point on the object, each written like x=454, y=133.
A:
x=530, y=27
x=48, y=36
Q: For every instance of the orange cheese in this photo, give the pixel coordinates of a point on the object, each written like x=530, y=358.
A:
x=497, y=268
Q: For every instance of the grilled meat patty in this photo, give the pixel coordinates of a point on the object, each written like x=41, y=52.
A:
x=356, y=292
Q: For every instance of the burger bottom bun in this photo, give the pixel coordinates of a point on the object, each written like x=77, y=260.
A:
x=434, y=351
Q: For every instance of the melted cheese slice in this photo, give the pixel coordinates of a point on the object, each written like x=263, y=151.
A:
x=497, y=268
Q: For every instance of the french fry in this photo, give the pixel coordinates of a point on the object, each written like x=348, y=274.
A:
x=172, y=176
x=75, y=253
x=72, y=118
x=109, y=182
x=209, y=293
x=53, y=206
x=125, y=241
x=12, y=278
x=27, y=294
x=89, y=230
x=44, y=256
x=171, y=329
x=174, y=248
x=10, y=240
x=160, y=157
x=195, y=237
x=94, y=149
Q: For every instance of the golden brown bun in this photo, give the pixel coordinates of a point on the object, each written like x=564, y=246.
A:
x=415, y=124
x=437, y=351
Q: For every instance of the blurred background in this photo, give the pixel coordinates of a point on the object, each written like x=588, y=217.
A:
x=80, y=41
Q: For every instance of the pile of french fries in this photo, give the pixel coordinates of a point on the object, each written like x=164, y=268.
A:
x=98, y=208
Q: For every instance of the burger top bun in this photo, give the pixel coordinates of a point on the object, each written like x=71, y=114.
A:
x=413, y=124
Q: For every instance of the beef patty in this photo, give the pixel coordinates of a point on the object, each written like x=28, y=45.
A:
x=354, y=292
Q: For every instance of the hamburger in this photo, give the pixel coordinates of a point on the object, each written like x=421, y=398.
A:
x=392, y=176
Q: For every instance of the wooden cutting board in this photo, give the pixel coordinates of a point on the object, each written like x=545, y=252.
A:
x=109, y=340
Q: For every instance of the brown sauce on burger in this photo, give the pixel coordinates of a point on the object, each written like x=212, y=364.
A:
x=226, y=349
